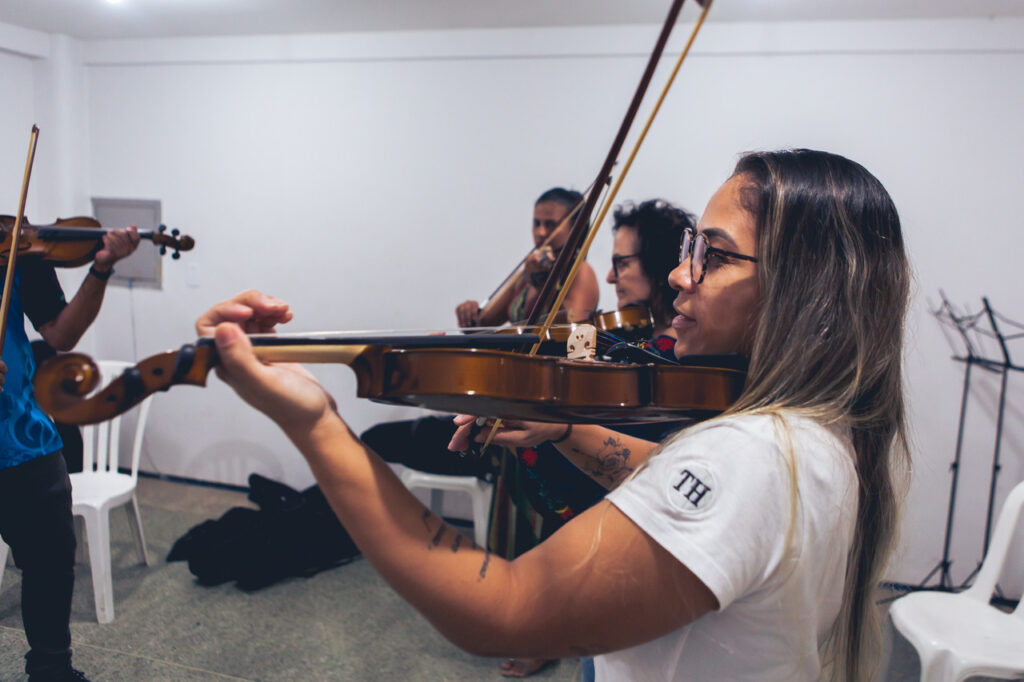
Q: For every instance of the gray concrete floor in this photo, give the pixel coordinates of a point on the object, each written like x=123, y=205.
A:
x=342, y=624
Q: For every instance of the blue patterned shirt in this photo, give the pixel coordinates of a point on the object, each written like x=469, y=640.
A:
x=25, y=430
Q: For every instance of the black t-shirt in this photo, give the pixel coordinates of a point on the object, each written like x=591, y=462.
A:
x=42, y=297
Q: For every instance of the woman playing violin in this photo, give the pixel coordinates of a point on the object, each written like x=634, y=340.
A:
x=513, y=304
x=542, y=488
x=744, y=547
x=537, y=490
x=643, y=253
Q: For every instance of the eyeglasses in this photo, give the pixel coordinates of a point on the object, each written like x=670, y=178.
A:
x=619, y=261
x=695, y=247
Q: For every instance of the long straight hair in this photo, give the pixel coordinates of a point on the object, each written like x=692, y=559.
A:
x=828, y=342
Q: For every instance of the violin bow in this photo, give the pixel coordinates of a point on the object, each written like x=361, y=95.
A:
x=595, y=226
x=5, y=302
x=518, y=269
x=571, y=259
x=582, y=222
x=512, y=278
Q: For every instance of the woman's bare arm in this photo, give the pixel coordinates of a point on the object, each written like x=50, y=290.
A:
x=605, y=455
x=598, y=584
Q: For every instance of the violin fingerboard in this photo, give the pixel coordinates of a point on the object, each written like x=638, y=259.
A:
x=582, y=343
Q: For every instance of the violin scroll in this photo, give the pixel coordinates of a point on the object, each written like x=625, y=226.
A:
x=64, y=380
x=63, y=383
x=173, y=241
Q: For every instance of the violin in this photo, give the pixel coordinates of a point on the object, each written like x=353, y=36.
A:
x=431, y=372
x=615, y=328
x=634, y=321
x=71, y=242
x=632, y=318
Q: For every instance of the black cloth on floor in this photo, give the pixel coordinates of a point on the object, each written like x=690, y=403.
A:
x=293, y=533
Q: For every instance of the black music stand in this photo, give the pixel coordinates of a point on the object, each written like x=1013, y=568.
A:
x=965, y=325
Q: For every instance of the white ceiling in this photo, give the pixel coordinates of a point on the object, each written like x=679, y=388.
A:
x=99, y=19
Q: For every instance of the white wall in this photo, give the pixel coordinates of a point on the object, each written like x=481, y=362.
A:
x=375, y=181
x=20, y=50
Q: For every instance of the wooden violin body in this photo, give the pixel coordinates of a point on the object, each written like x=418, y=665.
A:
x=474, y=380
x=513, y=385
x=71, y=242
x=632, y=322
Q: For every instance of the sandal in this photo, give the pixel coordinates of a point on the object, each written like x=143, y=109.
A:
x=524, y=667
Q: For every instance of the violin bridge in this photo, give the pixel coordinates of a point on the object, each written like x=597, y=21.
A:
x=582, y=343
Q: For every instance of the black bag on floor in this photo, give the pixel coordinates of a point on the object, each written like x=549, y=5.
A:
x=292, y=534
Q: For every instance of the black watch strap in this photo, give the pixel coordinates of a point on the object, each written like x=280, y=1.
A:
x=104, y=276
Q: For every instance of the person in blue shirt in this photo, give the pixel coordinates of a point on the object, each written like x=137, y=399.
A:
x=35, y=491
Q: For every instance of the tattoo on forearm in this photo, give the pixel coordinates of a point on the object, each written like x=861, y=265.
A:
x=487, y=561
x=437, y=537
x=456, y=543
x=610, y=464
x=426, y=518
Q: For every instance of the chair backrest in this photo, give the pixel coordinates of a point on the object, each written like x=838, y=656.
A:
x=985, y=584
x=101, y=442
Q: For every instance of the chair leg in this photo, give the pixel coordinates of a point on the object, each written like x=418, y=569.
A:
x=437, y=502
x=135, y=521
x=80, y=540
x=481, y=511
x=938, y=666
x=97, y=528
x=4, y=549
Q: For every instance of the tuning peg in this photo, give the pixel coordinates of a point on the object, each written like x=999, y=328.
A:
x=162, y=229
x=163, y=250
x=176, y=255
x=175, y=232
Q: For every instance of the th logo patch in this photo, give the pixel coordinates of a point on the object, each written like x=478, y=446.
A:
x=693, y=489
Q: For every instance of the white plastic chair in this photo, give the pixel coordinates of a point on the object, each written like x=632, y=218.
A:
x=100, y=487
x=961, y=635
x=479, y=491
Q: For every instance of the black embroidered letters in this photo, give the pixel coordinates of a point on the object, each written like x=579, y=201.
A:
x=692, y=488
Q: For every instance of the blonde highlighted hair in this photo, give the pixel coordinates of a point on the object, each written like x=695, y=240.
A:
x=828, y=342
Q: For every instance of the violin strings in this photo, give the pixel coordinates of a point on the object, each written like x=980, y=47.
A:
x=384, y=333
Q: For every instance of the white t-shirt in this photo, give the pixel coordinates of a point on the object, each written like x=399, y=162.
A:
x=718, y=500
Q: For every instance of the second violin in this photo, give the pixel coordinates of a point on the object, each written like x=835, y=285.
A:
x=71, y=242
